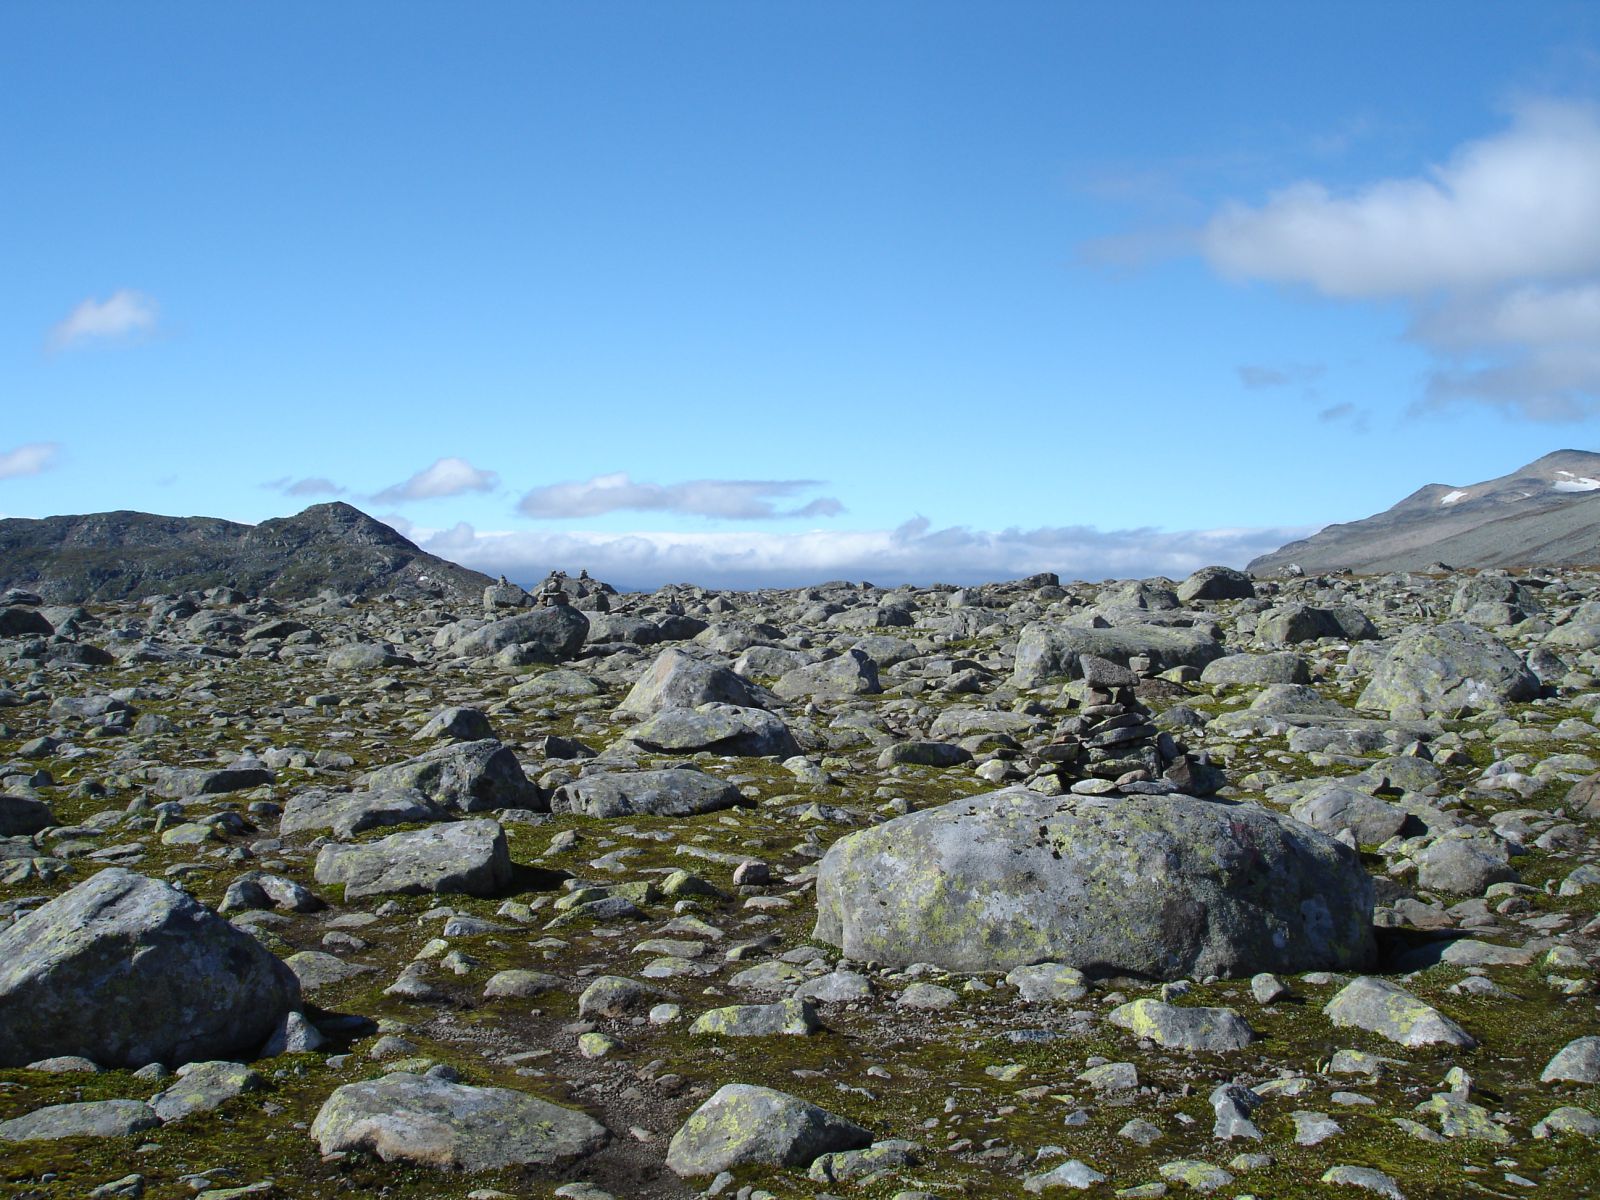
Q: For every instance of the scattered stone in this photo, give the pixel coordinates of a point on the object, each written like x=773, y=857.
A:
x=1390, y=1011
x=744, y=1125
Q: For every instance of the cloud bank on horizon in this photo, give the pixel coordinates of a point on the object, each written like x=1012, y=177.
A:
x=913, y=552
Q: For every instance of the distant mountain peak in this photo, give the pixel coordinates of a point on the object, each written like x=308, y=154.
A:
x=1539, y=514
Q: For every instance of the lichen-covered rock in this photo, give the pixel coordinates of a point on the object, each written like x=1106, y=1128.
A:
x=469, y=857
x=1216, y=583
x=744, y=1125
x=719, y=728
x=1047, y=651
x=203, y=1086
x=1390, y=1011
x=679, y=680
x=787, y=1017
x=1158, y=886
x=679, y=792
x=430, y=1122
x=550, y=635
x=1576, y=1062
x=346, y=814
x=126, y=970
x=1446, y=668
x=461, y=776
x=851, y=674
x=1213, y=1029
x=90, y=1118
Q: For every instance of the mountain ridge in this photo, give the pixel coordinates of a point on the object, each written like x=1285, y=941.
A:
x=121, y=554
x=1545, y=513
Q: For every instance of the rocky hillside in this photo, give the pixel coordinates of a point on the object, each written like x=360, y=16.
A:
x=1545, y=514
x=1280, y=889
x=118, y=555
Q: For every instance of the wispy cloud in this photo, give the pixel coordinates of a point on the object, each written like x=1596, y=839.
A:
x=744, y=499
x=311, y=486
x=124, y=316
x=1496, y=252
x=29, y=459
x=446, y=477
x=915, y=552
x=1256, y=377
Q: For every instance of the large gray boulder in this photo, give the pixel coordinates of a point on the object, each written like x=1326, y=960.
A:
x=850, y=674
x=719, y=728
x=434, y=1123
x=1216, y=583
x=672, y=793
x=23, y=815
x=1047, y=652
x=678, y=680
x=1277, y=666
x=126, y=970
x=468, y=857
x=1333, y=806
x=554, y=634
x=745, y=1125
x=1447, y=668
x=1158, y=886
x=461, y=776
x=1291, y=624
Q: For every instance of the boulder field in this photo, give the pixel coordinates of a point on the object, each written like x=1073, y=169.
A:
x=1278, y=887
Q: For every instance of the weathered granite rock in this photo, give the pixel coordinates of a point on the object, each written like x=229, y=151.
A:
x=1446, y=668
x=126, y=971
x=1390, y=1011
x=430, y=1122
x=468, y=857
x=1047, y=652
x=678, y=680
x=90, y=1118
x=461, y=776
x=1015, y=877
x=678, y=792
x=719, y=728
x=553, y=634
x=743, y=1125
x=346, y=814
x=1212, y=1029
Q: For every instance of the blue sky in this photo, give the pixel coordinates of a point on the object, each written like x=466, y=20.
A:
x=779, y=292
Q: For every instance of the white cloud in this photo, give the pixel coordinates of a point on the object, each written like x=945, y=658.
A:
x=312, y=486
x=122, y=316
x=914, y=552
x=1522, y=204
x=29, y=459
x=446, y=477
x=746, y=499
x=1496, y=252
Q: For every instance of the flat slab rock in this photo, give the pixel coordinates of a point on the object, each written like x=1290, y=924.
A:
x=670, y=793
x=409, y=1118
x=93, y=1118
